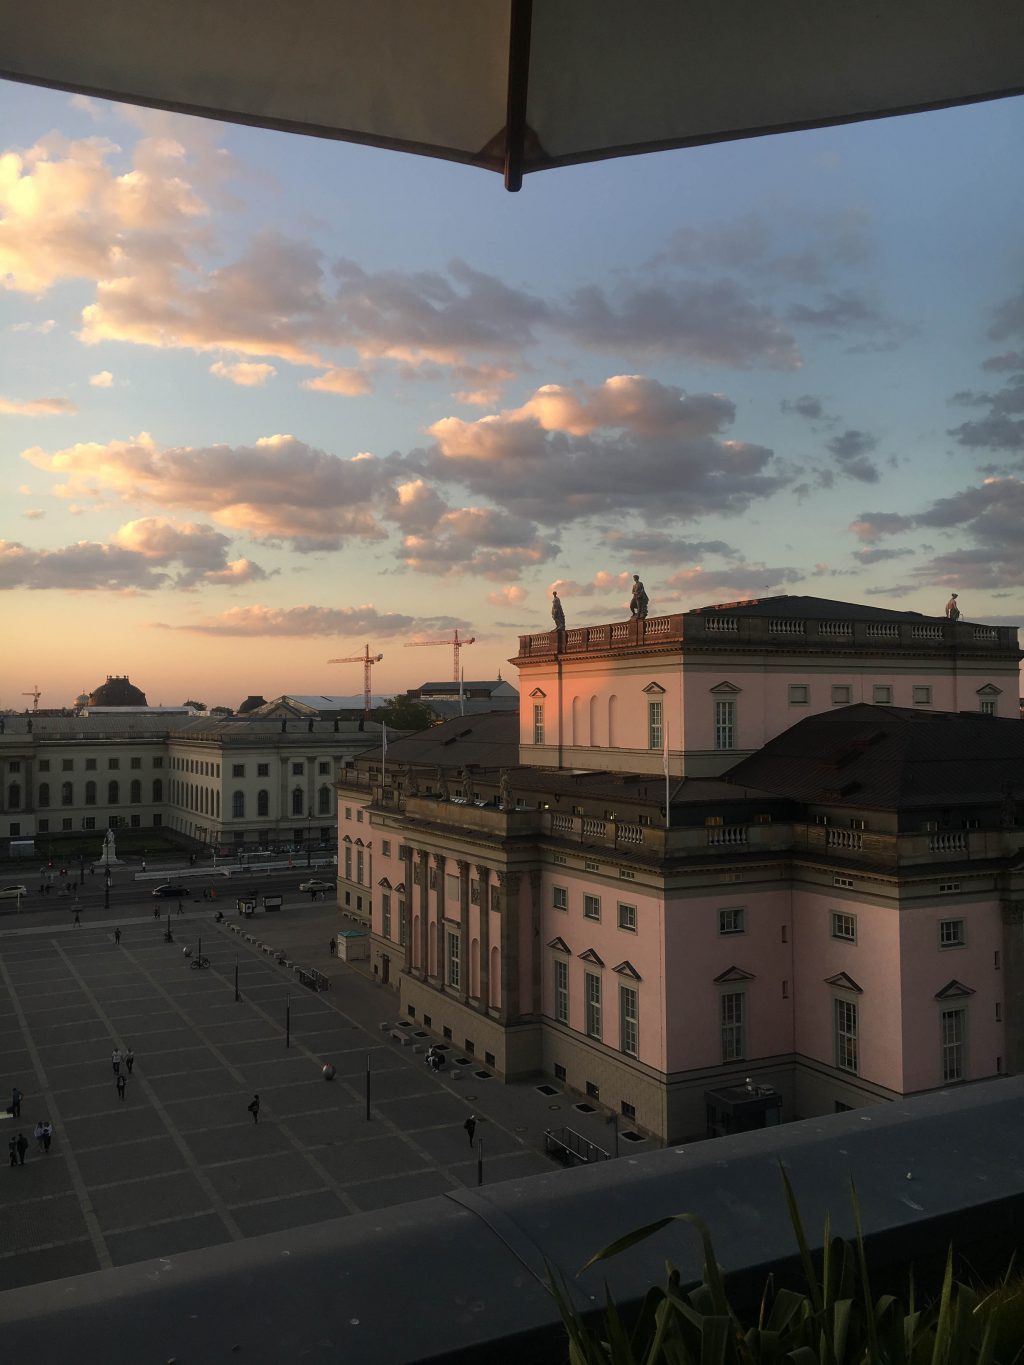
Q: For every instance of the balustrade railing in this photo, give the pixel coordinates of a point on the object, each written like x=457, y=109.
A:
x=593, y=829
x=947, y=843
x=722, y=835
x=785, y=625
x=631, y=834
x=986, y=633
x=725, y=623
x=561, y=824
x=836, y=629
x=844, y=838
x=926, y=632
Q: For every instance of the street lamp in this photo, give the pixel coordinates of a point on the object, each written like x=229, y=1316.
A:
x=309, y=837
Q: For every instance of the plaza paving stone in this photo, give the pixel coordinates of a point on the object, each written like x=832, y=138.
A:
x=179, y=1164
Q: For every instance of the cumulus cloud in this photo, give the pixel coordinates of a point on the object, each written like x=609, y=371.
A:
x=103, y=380
x=1002, y=426
x=43, y=328
x=851, y=451
x=34, y=514
x=602, y=584
x=509, y=596
x=199, y=549
x=645, y=547
x=279, y=489
x=733, y=583
x=351, y=383
x=873, y=526
x=879, y=556
x=808, y=406
x=846, y=314
x=479, y=540
x=266, y=621
x=247, y=374
x=36, y=407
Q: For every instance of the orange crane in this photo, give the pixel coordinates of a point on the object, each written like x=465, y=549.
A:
x=455, y=643
x=367, y=660
x=35, y=697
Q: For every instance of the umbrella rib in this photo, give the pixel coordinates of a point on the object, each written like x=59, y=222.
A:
x=520, y=19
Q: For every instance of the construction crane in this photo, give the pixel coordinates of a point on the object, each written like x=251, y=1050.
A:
x=455, y=643
x=367, y=660
x=35, y=697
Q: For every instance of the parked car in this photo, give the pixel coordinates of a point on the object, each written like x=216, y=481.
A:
x=172, y=889
x=317, y=884
x=10, y=893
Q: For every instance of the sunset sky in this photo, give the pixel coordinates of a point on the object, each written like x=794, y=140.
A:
x=265, y=399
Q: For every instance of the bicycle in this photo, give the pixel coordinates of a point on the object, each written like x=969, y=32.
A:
x=199, y=962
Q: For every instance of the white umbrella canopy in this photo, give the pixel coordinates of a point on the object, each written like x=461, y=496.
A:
x=513, y=86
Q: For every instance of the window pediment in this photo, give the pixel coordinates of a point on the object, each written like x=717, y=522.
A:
x=537, y=692
x=654, y=689
x=560, y=945
x=990, y=690
x=734, y=974
x=952, y=990
x=844, y=982
x=400, y=888
x=725, y=689
x=385, y=883
x=588, y=955
x=627, y=969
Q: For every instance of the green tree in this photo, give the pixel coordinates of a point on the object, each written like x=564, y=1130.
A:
x=195, y=705
x=402, y=713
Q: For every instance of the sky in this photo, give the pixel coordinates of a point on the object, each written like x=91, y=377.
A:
x=266, y=400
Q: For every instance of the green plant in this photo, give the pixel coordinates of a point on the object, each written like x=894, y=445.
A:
x=835, y=1321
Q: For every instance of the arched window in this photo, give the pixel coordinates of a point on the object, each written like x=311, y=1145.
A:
x=67, y=795
x=136, y=793
x=297, y=801
x=613, y=732
x=14, y=795
x=575, y=736
x=90, y=793
x=592, y=725
x=158, y=789
x=324, y=801
x=263, y=803
x=238, y=806
x=113, y=793
x=43, y=796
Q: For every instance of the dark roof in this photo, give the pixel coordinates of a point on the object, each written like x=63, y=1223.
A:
x=117, y=692
x=823, y=608
x=250, y=704
x=490, y=740
x=890, y=757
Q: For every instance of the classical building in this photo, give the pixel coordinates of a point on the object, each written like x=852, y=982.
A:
x=837, y=916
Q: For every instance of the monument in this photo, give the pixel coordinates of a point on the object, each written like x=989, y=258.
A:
x=108, y=857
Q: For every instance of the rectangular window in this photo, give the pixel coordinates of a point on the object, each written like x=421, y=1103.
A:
x=846, y=882
x=348, y=812
x=881, y=694
x=43, y=826
x=922, y=696
x=560, y=897
x=731, y=921
x=655, y=725
x=359, y=817
x=44, y=765
x=593, y=998
x=845, y=1022
x=385, y=847
x=842, y=694
x=136, y=763
x=401, y=923
x=844, y=926
x=298, y=769
x=324, y=769
x=67, y=765
x=627, y=918
x=591, y=867
x=158, y=761
x=799, y=694
x=948, y=888
x=452, y=946
x=262, y=769
x=238, y=770
x=988, y=706
x=90, y=765
x=591, y=907
x=538, y=723
x=725, y=724
x=951, y=933
x=359, y=866
x=385, y=915
x=733, y=1026
x=113, y=763
x=629, y=1021
x=348, y=862
x=561, y=990
x=157, y=820
x=452, y=893
x=136, y=822
x=954, y=1025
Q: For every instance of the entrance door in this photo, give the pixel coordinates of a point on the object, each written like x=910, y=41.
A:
x=385, y=968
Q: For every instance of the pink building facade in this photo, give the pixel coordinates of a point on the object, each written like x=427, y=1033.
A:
x=802, y=923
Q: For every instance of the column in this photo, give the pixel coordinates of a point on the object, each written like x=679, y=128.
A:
x=439, y=862
x=407, y=911
x=464, y=868
x=534, y=1004
x=508, y=883
x=424, y=899
x=484, y=873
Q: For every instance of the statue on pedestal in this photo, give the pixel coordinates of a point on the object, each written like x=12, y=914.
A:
x=952, y=610
x=557, y=614
x=638, y=602
x=505, y=787
x=109, y=855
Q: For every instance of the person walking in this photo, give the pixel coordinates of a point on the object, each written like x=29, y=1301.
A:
x=333, y=945
x=470, y=1127
x=12, y=1151
x=22, y=1145
x=115, y=1061
x=254, y=1108
x=117, y=936
x=122, y=1086
x=77, y=924
x=37, y=1133
x=47, y=1135
x=129, y=1059
x=15, y=1103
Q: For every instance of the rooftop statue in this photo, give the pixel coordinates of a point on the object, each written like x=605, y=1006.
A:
x=952, y=610
x=638, y=603
x=557, y=614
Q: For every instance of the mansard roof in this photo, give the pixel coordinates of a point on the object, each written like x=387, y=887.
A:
x=814, y=608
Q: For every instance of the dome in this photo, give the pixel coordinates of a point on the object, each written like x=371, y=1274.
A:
x=117, y=692
x=251, y=704
x=82, y=699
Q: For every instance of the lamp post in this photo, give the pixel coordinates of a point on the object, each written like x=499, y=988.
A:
x=309, y=837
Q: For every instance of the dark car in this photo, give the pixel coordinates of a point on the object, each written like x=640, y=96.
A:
x=172, y=889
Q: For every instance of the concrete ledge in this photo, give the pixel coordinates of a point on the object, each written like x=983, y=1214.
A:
x=384, y=1028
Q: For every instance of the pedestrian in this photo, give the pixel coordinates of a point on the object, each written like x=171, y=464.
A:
x=117, y=936
x=156, y=910
x=122, y=1086
x=78, y=920
x=129, y=1059
x=22, y=1148
x=143, y=864
x=12, y=1149
x=470, y=1127
x=180, y=911
x=254, y=1108
x=15, y=1103
x=312, y=894
x=37, y=1133
x=333, y=945
x=115, y=1061
x=47, y=1135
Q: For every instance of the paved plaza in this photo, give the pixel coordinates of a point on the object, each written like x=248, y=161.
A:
x=179, y=1164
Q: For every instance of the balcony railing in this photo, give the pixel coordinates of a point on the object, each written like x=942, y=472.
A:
x=844, y=838
x=721, y=835
x=947, y=843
